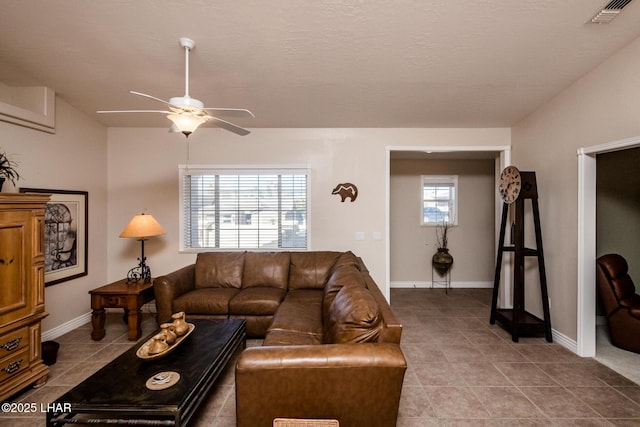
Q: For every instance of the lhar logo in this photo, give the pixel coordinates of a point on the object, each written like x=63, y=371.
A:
x=345, y=190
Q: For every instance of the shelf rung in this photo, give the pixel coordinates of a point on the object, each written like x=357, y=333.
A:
x=525, y=251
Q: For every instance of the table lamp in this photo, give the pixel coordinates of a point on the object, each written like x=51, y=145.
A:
x=141, y=227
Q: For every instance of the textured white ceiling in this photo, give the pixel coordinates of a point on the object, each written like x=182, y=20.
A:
x=325, y=63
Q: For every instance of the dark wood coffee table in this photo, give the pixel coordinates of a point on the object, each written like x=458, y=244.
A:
x=117, y=393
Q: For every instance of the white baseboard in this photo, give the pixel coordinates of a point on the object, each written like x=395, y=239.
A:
x=72, y=324
x=565, y=341
x=427, y=284
x=66, y=327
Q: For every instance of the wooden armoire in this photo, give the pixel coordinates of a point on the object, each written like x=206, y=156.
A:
x=21, y=291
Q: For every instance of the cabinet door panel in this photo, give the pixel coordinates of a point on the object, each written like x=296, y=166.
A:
x=12, y=271
x=15, y=296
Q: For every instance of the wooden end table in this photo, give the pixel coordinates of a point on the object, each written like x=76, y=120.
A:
x=120, y=294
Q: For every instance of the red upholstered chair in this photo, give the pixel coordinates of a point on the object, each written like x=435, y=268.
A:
x=620, y=301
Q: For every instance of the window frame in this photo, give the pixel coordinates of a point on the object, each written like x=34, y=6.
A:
x=440, y=181
x=190, y=170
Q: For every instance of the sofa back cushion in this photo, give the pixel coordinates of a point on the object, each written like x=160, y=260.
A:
x=347, y=259
x=219, y=270
x=310, y=270
x=266, y=269
x=616, y=270
x=340, y=277
x=354, y=317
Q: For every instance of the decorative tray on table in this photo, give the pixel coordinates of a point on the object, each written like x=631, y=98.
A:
x=143, y=351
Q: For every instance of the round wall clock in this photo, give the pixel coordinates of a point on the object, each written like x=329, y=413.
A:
x=510, y=184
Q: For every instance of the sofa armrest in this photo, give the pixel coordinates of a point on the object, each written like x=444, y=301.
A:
x=356, y=384
x=392, y=330
x=169, y=287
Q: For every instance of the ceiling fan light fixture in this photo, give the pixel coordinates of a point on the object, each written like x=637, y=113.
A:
x=187, y=123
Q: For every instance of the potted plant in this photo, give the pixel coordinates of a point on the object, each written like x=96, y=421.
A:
x=442, y=259
x=7, y=170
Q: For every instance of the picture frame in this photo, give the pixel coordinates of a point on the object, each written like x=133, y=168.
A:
x=66, y=234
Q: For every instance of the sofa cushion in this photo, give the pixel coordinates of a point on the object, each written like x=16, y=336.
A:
x=205, y=301
x=256, y=326
x=219, y=270
x=256, y=301
x=354, y=317
x=280, y=337
x=310, y=270
x=631, y=302
x=342, y=276
x=300, y=312
x=266, y=269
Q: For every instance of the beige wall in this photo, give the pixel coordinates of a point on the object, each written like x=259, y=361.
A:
x=602, y=106
x=143, y=176
x=471, y=242
x=74, y=158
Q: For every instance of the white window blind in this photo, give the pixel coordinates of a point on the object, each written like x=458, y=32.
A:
x=243, y=208
x=439, y=200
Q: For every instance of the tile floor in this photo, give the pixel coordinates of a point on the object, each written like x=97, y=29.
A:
x=461, y=371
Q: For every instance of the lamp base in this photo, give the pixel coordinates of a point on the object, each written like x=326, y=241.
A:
x=138, y=273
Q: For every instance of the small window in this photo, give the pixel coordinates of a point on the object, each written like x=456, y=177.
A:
x=439, y=199
x=243, y=208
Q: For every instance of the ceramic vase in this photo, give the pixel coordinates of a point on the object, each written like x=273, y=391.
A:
x=180, y=326
x=168, y=329
x=442, y=261
x=159, y=344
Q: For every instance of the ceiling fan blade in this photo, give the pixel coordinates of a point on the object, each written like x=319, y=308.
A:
x=149, y=96
x=235, y=112
x=134, y=111
x=228, y=126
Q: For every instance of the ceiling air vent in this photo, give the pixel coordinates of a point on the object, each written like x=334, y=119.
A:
x=609, y=11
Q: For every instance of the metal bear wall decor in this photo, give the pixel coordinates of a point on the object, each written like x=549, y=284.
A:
x=346, y=190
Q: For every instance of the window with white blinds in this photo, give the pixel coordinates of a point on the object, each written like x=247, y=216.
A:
x=243, y=208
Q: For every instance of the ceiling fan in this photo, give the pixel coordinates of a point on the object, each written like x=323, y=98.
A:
x=188, y=113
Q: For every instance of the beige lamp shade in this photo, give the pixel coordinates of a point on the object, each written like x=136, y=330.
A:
x=142, y=226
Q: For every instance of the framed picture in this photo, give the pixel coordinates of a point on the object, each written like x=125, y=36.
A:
x=65, y=234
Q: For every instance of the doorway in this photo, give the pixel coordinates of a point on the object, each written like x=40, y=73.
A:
x=502, y=155
x=586, y=322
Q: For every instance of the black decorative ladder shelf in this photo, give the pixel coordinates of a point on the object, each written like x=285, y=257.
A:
x=517, y=320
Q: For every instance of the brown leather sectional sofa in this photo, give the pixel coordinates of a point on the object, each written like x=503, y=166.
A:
x=331, y=345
